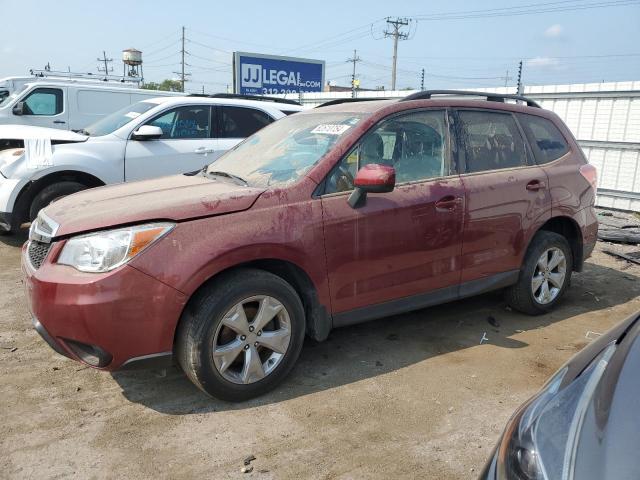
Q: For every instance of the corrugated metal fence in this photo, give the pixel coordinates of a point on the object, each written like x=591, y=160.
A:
x=604, y=117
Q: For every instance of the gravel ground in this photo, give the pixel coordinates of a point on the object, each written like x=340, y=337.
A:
x=410, y=396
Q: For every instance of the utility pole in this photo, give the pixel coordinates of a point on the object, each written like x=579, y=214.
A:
x=354, y=60
x=182, y=52
x=519, y=91
x=182, y=73
x=422, y=80
x=396, y=25
x=507, y=78
x=106, y=62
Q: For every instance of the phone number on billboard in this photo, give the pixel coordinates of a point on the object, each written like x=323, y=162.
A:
x=272, y=91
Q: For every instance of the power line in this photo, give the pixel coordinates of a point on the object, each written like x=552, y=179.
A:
x=524, y=10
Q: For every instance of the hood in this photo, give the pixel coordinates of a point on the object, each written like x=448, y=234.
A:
x=611, y=430
x=177, y=198
x=20, y=132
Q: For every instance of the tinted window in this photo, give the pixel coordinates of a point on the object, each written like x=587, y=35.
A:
x=413, y=144
x=491, y=141
x=43, y=101
x=240, y=122
x=546, y=140
x=184, y=122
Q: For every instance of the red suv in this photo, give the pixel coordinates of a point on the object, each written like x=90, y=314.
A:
x=351, y=211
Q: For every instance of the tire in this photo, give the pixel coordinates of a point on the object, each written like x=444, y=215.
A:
x=53, y=192
x=521, y=296
x=205, y=321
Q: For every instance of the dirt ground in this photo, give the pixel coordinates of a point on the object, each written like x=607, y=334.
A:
x=410, y=396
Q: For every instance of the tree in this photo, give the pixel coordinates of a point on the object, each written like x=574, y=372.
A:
x=166, y=85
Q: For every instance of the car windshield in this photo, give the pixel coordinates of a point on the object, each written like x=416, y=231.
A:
x=281, y=153
x=6, y=96
x=114, y=121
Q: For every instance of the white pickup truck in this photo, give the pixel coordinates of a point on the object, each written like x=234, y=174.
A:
x=151, y=138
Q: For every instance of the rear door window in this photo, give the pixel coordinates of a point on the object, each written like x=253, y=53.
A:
x=491, y=141
x=241, y=122
x=547, y=143
x=44, y=101
x=181, y=123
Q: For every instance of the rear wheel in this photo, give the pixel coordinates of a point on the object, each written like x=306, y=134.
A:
x=545, y=275
x=241, y=336
x=51, y=193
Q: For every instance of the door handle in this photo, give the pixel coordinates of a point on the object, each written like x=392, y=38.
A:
x=448, y=203
x=203, y=150
x=535, y=185
x=59, y=121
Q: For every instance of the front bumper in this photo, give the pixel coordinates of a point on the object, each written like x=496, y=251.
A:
x=113, y=318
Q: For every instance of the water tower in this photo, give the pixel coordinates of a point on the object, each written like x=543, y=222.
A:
x=132, y=60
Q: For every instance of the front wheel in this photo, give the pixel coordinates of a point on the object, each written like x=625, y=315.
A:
x=545, y=275
x=241, y=335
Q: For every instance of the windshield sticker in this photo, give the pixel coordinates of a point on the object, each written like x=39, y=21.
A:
x=331, y=129
x=132, y=114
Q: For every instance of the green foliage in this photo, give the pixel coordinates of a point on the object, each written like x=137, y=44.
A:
x=167, y=85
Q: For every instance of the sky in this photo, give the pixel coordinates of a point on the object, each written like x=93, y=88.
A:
x=459, y=43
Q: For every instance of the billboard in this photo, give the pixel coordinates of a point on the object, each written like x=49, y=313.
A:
x=257, y=74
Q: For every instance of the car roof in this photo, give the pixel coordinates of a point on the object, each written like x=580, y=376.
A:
x=264, y=105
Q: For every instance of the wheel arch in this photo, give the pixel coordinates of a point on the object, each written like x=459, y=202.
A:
x=33, y=187
x=569, y=229
x=318, y=318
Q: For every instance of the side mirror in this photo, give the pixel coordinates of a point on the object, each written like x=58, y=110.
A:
x=372, y=178
x=18, y=108
x=147, y=132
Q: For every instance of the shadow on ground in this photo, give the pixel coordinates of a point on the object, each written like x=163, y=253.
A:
x=362, y=351
x=14, y=239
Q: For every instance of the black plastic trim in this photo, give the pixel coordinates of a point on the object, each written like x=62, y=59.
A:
x=423, y=300
x=48, y=338
x=491, y=97
x=246, y=97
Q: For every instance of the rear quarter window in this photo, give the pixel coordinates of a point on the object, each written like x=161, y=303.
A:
x=547, y=143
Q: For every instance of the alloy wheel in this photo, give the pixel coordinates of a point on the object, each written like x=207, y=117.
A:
x=548, y=276
x=252, y=339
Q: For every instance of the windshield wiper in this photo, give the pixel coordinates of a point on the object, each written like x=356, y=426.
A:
x=228, y=175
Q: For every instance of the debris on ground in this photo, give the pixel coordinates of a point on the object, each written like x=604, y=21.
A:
x=618, y=227
x=633, y=257
x=484, y=338
x=493, y=322
x=249, y=459
x=592, y=335
x=248, y=469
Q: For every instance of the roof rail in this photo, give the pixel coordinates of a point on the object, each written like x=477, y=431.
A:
x=338, y=101
x=240, y=96
x=491, y=97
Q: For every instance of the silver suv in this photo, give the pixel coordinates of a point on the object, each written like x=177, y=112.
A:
x=151, y=138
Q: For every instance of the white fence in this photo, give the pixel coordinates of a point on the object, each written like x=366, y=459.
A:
x=604, y=117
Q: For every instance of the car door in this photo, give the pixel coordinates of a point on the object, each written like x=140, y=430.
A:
x=400, y=245
x=507, y=195
x=186, y=145
x=236, y=123
x=45, y=107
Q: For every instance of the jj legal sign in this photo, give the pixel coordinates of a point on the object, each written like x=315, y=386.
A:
x=257, y=74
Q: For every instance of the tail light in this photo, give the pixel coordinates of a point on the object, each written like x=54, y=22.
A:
x=590, y=174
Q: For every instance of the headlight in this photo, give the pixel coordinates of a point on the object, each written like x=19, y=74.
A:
x=104, y=251
x=540, y=440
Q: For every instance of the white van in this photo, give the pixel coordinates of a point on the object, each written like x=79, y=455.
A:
x=67, y=104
